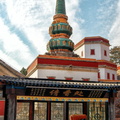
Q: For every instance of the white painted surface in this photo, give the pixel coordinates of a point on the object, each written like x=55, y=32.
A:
x=61, y=74
x=103, y=73
x=78, y=51
x=34, y=75
x=99, y=51
x=103, y=57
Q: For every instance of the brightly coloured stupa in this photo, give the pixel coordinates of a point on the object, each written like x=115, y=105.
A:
x=60, y=32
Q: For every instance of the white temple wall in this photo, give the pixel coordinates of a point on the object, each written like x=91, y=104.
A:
x=104, y=72
x=99, y=51
x=103, y=57
x=34, y=75
x=80, y=50
x=62, y=74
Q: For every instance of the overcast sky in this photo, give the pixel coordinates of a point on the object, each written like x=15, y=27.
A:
x=24, y=26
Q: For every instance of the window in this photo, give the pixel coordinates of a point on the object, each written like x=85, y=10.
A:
x=108, y=75
x=105, y=53
x=82, y=53
x=50, y=77
x=57, y=111
x=75, y=108
x=68, y=78
x=40, y=110
x=92, y=52
x=22, y=111
x=99, y=75
x=86, y=79
x=113, y=77
x=97, y=111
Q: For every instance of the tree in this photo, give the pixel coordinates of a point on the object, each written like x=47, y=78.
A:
x=23, y=71
x=115, y=54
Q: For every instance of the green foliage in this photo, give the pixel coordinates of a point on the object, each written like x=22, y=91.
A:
x=115, y=54
x=23, y=71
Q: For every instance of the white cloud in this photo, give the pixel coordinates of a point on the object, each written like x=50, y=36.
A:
x=114, y=33
x=2, y=1
x=12, y=45
x=13, y=63
x=34, y=18
x=72, y=9
x=25, y=13
x=38, y=14
x=38, y=38
x=105, y=16
x=108, y=16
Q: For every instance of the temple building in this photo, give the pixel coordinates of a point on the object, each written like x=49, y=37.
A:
x=7, y=70
x=69, y=82
x=88, y=60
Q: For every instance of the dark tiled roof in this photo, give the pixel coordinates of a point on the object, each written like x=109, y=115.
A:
x=9, y=68
x=58, y=83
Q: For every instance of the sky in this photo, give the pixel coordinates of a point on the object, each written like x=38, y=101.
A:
x=24, y=26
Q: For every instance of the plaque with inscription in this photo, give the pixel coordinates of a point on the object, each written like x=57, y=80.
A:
x=65, y=92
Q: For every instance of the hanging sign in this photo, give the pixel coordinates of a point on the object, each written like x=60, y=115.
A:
x=65, y=92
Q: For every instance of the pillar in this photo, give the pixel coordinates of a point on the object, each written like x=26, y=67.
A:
x=10, y=104
x=111, y=105
x=10, y=107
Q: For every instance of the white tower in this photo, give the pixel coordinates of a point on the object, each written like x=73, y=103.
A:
x=97, y=48
x=93, y=47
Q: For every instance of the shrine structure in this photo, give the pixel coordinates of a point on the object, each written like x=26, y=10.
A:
x=69, y=80
x=34, y=99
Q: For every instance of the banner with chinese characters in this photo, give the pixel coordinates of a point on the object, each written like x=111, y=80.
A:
x=65, y=92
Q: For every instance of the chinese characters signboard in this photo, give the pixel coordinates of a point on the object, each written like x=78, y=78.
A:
x=65, y=92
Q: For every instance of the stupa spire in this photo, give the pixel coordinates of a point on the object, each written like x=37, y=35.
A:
x=60, y=32
x=60, y=7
